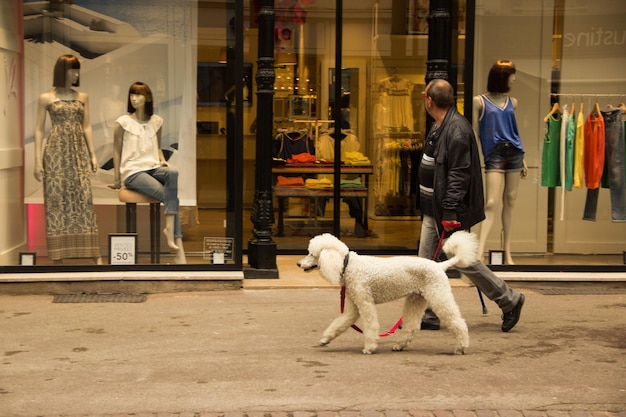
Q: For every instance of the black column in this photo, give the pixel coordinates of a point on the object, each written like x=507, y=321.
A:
x=261, y=247
x=438, y=63
x=439, y=44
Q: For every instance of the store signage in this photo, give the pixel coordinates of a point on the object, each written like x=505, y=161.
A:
x=217, y=250
x=496, y=257
x=123, y=249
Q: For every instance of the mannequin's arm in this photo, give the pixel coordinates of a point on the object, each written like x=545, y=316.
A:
x=161, y=156
x=524, y=171
x=40, y=126
x=477, y=111
x=118, y=138
x=88, y=132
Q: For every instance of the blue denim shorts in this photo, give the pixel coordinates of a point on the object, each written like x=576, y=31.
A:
x=505, y=158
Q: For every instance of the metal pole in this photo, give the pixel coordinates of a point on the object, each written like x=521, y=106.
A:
x=261, y=247
x=337, y=117
x=437, y=64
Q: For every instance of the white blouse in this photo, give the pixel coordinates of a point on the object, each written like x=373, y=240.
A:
x=140, y=148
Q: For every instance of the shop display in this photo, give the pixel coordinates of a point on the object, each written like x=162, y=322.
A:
x=586, y=150
x=398, y=148
x=140, y=165
x=503, y=153
x=64, y=164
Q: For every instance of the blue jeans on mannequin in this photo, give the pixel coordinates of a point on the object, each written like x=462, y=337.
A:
x=161, y=184
x=491, y=285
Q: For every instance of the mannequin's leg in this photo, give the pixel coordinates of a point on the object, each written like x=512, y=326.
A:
x=494, y=183
x=511, y=185
x=169, y=231
x=180, y=253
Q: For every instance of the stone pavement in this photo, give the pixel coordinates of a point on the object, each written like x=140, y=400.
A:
x=254, y=353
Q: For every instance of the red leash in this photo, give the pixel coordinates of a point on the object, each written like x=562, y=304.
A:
x=399, y=322
x=443, y=235
x=355, y=327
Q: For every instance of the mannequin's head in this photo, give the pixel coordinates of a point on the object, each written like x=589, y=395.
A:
x=141, y=88
x=64, y=64
x=499, y=76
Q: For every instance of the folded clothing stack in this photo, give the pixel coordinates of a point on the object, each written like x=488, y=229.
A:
x=356, y=158
x=353, y=183
x=318, y=184
x=289, y=182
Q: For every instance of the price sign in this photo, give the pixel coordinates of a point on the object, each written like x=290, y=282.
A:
x=28, y=258
x=218, y=249
x=123, y=249
x=496, y=257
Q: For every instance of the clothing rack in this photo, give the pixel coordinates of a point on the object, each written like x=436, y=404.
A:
x=587, y=95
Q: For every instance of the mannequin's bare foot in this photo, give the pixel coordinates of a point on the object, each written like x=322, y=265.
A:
x=169, y=231
x=169, y=235
x=508, y=259
x=98, y=260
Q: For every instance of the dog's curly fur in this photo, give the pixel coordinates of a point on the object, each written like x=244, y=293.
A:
x=371, y=280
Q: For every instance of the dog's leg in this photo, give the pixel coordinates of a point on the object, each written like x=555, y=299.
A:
x=341, y=323
x=414, y=307
x=443, y=304
x=371, y=325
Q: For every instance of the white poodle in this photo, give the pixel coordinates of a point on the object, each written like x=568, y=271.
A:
x=371, y=280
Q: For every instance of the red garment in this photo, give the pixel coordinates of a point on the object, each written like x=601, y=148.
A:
x=301, y=158
x=292, y=182
x=594, y=149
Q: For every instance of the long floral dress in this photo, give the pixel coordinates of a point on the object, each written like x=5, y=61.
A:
x=71, y=228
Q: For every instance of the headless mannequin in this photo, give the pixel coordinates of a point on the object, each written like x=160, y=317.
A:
x=498, y=184
x=63, y=93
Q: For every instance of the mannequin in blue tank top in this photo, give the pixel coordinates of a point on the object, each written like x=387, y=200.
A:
x=495, y=126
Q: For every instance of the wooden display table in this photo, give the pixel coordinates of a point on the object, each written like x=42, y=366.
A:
x=283, y=193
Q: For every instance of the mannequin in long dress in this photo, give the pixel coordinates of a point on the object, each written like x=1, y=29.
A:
x=64, y=165
x=140, y=165
x=503, y=153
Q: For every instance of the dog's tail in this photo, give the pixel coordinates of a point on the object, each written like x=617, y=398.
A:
x=461, y=248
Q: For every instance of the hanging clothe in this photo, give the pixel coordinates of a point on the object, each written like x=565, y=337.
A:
x=396, y=174
x=594, y=148
x=287, y=144
x=593, y=161
x=614, y=176
x=570, y=146
x=565, y=119
x=396, y=101
x=579, y=149
x=326, y=146
x=550, y=166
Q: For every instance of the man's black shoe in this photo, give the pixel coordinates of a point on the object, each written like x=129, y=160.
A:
x=510, y=319
x=429, y=326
